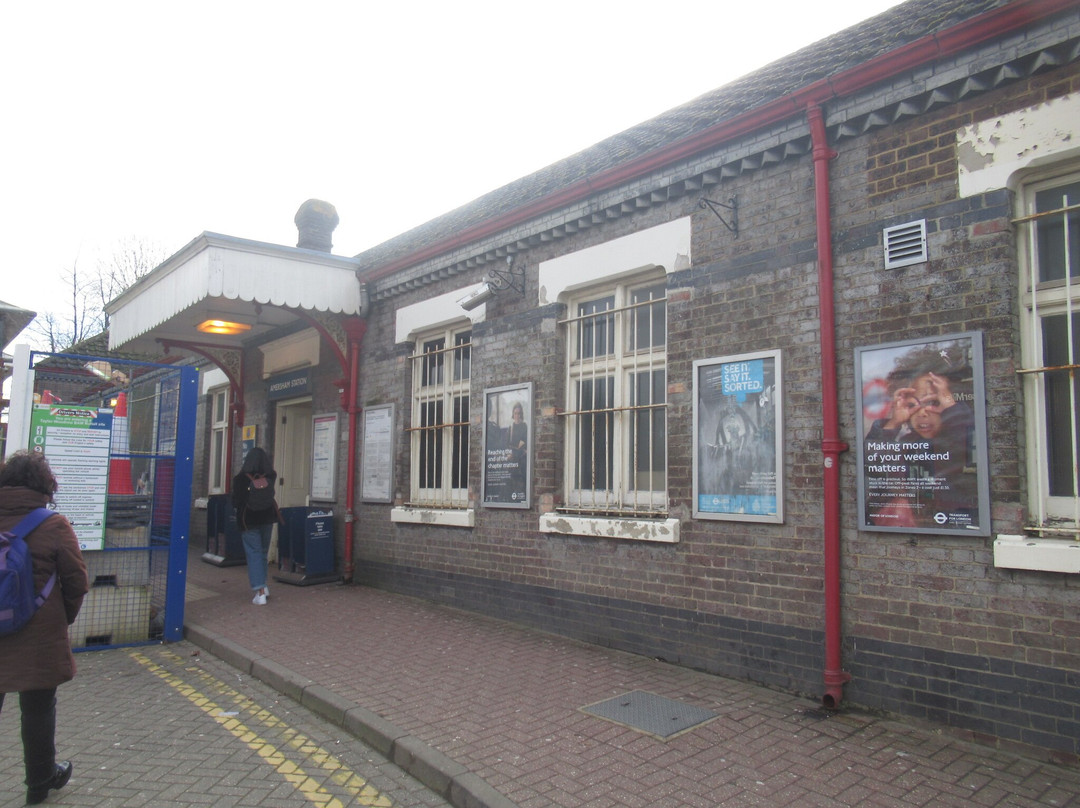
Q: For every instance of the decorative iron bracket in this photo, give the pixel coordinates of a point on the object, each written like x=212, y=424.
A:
x=733, y=207
x=509, y=278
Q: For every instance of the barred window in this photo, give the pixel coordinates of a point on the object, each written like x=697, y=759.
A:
x=1049, y=235
x=616, y=421
x=440, y=421
x=219, y=436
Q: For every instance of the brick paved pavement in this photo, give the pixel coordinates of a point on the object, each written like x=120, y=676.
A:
x=491, y=713
x=173, y=726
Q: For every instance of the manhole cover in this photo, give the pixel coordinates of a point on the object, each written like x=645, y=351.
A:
x=647, y=712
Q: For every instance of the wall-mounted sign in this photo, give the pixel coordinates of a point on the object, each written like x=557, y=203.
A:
x=289, y=385
x=738, y=425
x=922, y=436
x=506, y=478
x=247, y=438
x=75, y=440
x=323, y=457
x=377, y=468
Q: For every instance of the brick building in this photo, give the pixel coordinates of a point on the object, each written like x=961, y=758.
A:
x=776, y=385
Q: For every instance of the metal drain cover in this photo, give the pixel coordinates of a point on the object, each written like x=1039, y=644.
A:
x=647, y=712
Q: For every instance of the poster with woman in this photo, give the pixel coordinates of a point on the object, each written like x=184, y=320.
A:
x=922, y=436
x=738, y=424
x=506, y=479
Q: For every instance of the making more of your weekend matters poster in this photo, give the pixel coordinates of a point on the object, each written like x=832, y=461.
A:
x=922, y=436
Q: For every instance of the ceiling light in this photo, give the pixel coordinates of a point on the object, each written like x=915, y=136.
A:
x=222, y=327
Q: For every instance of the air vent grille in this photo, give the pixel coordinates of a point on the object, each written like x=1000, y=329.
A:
x=905, y=244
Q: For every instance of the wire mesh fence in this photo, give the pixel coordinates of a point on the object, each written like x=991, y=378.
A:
x=119, y=435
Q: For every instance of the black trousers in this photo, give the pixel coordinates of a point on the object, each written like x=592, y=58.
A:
x=38, y=709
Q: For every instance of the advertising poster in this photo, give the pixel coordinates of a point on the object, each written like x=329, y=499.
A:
x=75, y=440
x=922, y=436
x=507, y=448
x=738, y=425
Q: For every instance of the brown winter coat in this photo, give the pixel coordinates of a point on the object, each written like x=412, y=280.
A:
x=38, y=656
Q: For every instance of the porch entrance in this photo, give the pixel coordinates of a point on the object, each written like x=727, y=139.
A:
x=292, y=452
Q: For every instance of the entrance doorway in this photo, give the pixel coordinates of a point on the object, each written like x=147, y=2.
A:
x=292, y=452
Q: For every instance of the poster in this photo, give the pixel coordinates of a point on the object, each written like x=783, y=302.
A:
x=75, y=439
x=506, y=479
x=738, y=426
x=377, y=472
x=323, y=456
x=922, y=436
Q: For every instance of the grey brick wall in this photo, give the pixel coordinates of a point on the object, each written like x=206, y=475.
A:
x=932, y=629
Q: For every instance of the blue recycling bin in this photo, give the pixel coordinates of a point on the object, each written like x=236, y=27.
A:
x=306, y=546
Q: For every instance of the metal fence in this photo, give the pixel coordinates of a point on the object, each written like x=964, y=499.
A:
x=119, y=435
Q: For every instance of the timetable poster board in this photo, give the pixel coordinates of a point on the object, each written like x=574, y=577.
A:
x=377, y=473
x=324, y=430
x=75, y=440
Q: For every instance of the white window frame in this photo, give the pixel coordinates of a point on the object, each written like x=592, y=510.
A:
x=633, y=424
x=219, y=410
x=1049, y=515
x=440, y=381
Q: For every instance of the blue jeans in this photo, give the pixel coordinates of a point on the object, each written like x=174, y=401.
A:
x=256, y=544
x=38, y=731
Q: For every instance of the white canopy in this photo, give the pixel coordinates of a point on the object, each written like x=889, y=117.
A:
x=221, y=277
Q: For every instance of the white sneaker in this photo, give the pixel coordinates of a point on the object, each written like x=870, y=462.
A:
x=266, y=591
x=259, y=599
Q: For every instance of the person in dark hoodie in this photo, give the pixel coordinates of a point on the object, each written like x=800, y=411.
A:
x=256, y=513
x=37, y=658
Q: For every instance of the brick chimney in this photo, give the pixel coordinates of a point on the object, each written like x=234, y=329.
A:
x=316, y=221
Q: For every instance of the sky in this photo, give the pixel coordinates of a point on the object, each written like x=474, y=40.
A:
x=154, y=122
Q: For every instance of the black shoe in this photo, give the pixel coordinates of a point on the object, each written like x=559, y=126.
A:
x=59, y=779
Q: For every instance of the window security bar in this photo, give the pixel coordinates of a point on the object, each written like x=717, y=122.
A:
x=1046, y=379
x=616, y=395
x=601, y=410
x=1044, y=214
x=592, y=315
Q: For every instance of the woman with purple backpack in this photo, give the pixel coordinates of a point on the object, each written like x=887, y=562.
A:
x=37, y=658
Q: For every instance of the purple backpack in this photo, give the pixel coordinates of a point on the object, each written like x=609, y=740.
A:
x=18, y=602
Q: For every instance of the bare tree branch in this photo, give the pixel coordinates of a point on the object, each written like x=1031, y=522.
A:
x=83, y=314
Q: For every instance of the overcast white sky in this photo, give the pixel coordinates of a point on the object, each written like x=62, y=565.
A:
x=157, y=121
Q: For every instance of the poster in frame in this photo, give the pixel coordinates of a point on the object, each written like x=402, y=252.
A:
x=506, y=477
x=324, y=439
x=377, y=466
x=921, y=436
x=738, y=430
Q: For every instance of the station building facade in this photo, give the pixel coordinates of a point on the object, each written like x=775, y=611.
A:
x=777, y=385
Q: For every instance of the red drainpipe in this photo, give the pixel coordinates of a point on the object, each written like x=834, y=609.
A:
x=354, y=329
x=831, y=445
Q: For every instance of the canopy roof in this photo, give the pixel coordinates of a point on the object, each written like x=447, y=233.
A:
x=264, y=286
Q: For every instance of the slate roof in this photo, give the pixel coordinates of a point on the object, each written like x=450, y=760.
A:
x=849, y=48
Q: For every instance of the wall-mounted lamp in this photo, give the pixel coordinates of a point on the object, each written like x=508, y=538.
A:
x=477, y=297
x=497, y=280
x=227, y=327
